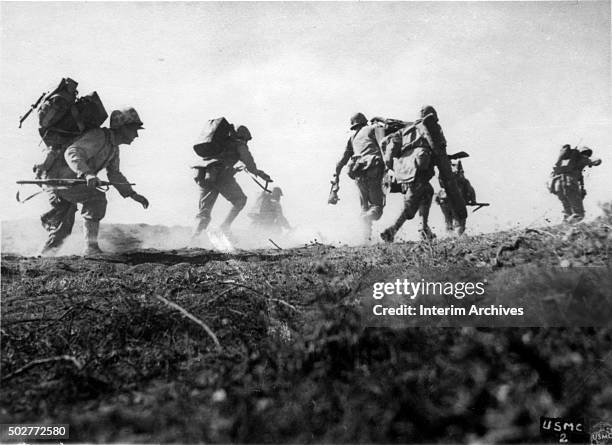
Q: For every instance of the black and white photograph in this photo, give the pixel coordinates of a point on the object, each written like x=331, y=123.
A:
x=306, y=222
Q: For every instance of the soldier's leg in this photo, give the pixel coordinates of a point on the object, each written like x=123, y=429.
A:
x=58, y=222
x=93, y=211
x=411, y=206
x=448, y=215
x=372, y=197
x=230, y=190
x=375, y=193
x=208, y=197
x=574, y=198
x=449, y=183
x=424, y=206
x=366, y=223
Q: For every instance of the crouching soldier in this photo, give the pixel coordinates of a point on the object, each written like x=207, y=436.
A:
x=467, y=192
x=366, y=167
x=216, y=176
x=268, y=216
x=95, y=150
x=568, y=182
x=409, y=154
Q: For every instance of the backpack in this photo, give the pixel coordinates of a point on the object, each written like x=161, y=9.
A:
x=213, y=137
x=62, y=116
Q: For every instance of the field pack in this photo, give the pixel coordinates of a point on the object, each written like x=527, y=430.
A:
x=63, y=116
x=213, y=137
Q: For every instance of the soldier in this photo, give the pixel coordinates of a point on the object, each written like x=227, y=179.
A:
x=84, y=158
x=408, y=153
x=268, y=215
x=216, y=176
x=432, y=132
x=568, y=182
x=468, y=194
x=366, y=167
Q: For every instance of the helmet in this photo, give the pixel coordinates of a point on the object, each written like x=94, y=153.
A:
x=566, y=147
x=357, y=120
x=586, y=151
x=277, y=192
x=243, y=133
x=125, y=116
x=428, y=109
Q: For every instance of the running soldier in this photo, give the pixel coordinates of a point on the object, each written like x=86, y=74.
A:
x=568, y=182
x=364, y=161
x=216, y=176
x=95, y=150
x=409, y=155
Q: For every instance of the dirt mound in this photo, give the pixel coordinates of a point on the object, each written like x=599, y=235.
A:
x=124, y=347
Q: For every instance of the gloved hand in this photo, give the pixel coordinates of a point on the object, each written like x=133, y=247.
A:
x=263, y=175
x=140, y=199
x=92, y=181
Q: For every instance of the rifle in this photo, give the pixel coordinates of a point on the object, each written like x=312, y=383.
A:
x=64, y=184
x=32, y=108
x=478, y=205
x=458, y=155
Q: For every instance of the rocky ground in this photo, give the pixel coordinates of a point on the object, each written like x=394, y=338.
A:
x=270, y=345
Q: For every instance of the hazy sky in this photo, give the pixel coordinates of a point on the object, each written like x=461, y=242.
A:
x=512, y=82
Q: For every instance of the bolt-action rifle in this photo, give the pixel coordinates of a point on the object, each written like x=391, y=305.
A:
x=61, y=184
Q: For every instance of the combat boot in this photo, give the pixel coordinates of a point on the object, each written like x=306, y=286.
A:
x=48, y=251
x=575, y=218
x=459, y=227
x=426, y=234
x=91, y=229
x=388, y=234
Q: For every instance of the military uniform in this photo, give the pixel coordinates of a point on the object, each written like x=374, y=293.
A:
x=468, y=194
x=365, y=165
x=94, y=151
x=568, y=182
x=409, y=154
x=268, y=213
x=215, y=176
x=432, y=132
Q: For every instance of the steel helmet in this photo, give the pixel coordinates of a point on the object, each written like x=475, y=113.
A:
x=125, y=116
x=277, y=192
x=357, y=120
x=243, y=133
x=428, y=109
x=586, y=151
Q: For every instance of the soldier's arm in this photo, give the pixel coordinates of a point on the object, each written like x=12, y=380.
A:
x=348, y=152
x=249, y=162
x=391, y=148
x=423, y=159
x=470, y=192
x=120, y=181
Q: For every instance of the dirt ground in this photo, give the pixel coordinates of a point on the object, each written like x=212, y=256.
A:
x=269, y=346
